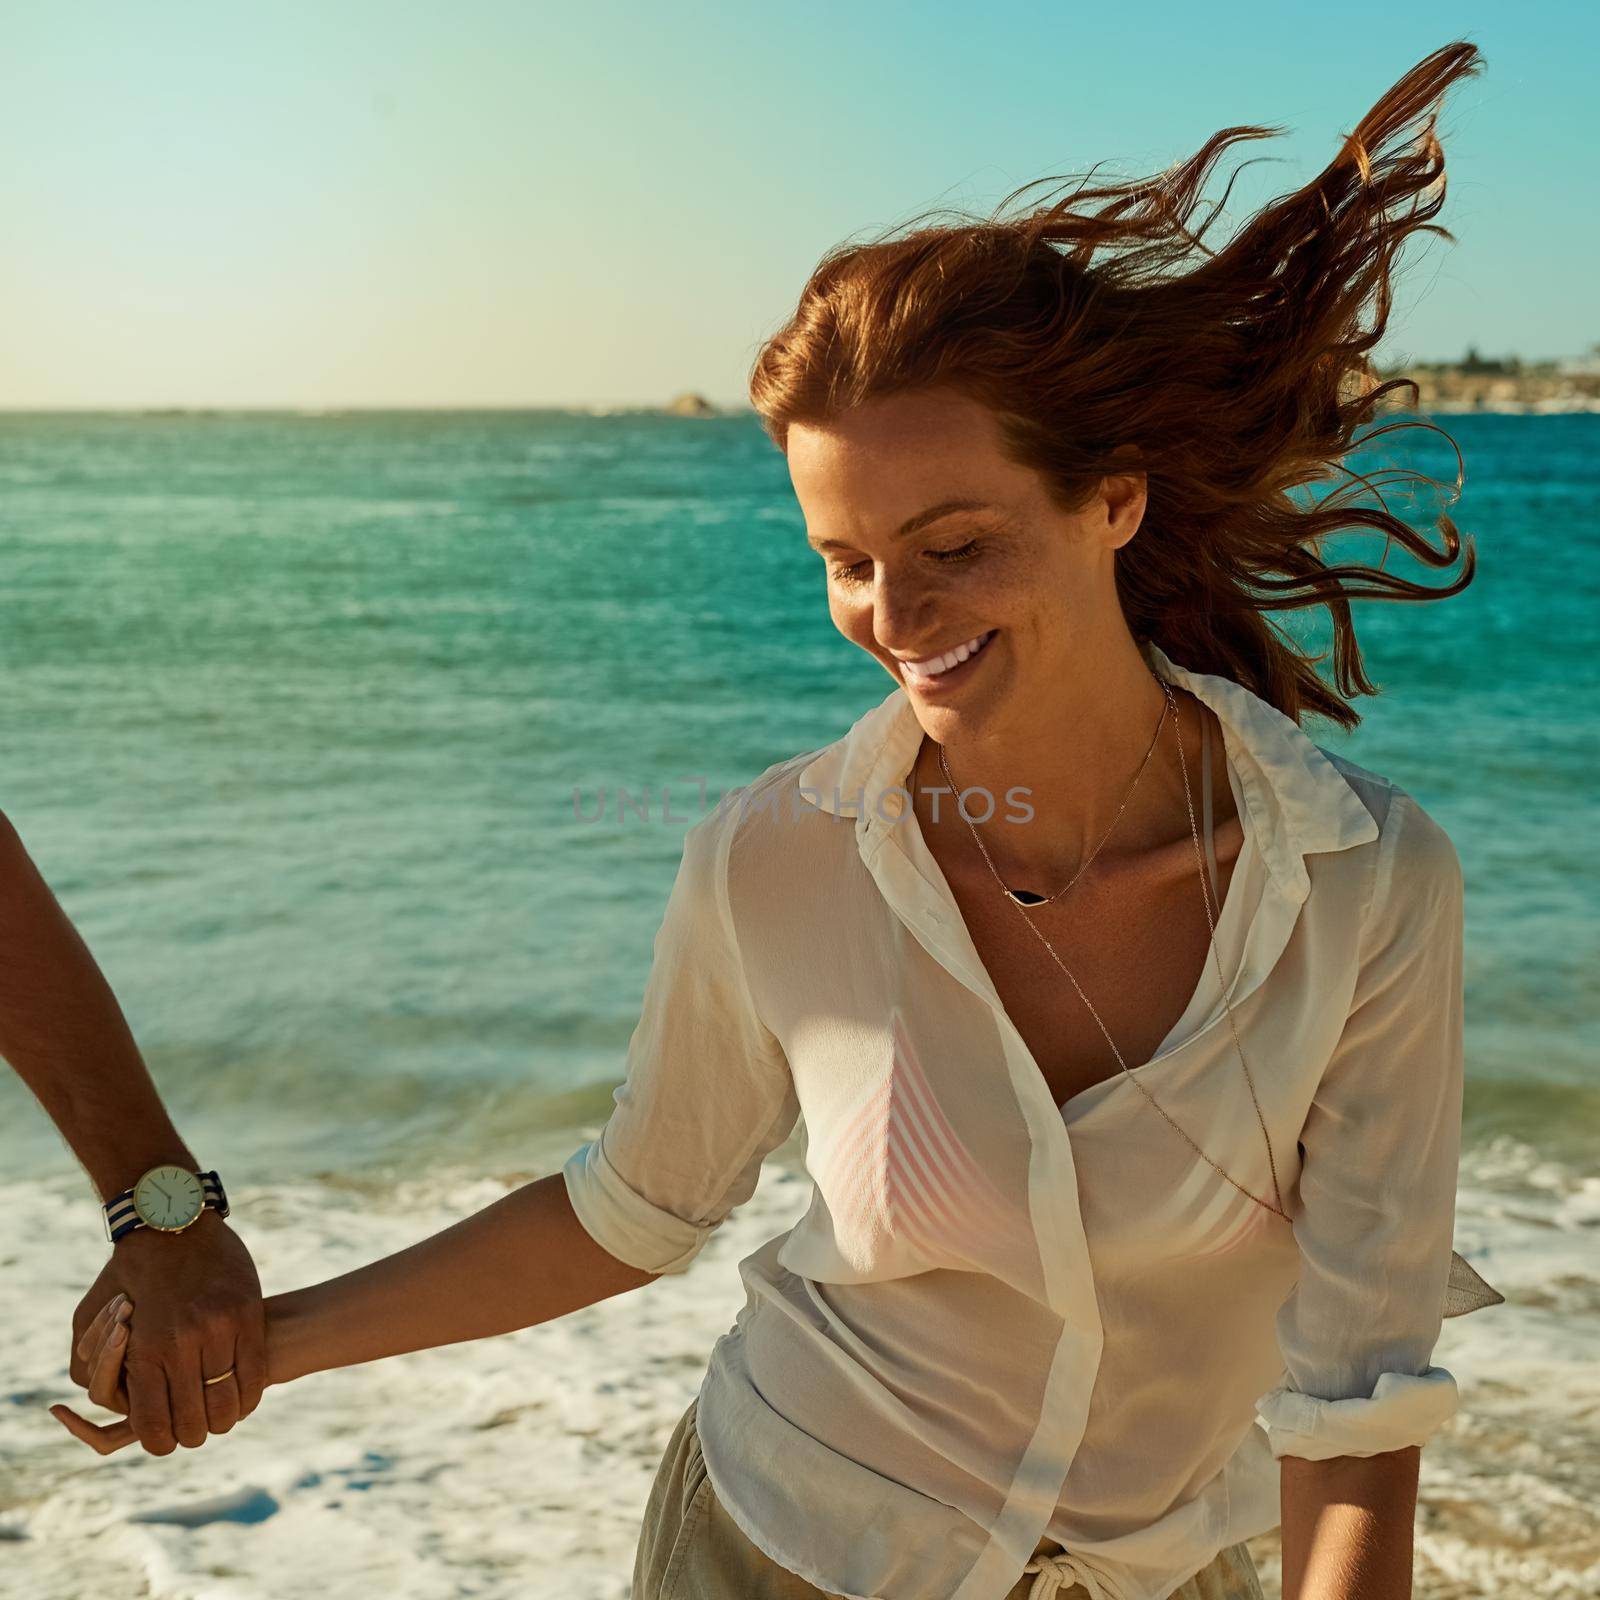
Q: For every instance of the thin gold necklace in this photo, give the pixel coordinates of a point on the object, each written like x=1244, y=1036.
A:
x=1026, y=897
x=1171, y=706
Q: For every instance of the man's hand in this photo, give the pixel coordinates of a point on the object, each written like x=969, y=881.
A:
x=199, y=1313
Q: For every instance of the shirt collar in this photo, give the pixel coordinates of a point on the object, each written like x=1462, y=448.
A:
x=1298, y=801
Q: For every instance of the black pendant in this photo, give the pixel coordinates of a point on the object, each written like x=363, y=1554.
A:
x=1026, y=897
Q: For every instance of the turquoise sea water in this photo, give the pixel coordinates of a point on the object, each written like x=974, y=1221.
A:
x=295, y=708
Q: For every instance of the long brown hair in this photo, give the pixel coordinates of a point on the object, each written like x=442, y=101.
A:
x=1103, y=322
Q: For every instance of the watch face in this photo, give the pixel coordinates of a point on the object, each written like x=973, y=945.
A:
x=168, y=1197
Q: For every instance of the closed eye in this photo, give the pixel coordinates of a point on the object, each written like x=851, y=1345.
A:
x=965, y=552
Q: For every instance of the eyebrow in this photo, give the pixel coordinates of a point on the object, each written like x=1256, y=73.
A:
x=916, y=524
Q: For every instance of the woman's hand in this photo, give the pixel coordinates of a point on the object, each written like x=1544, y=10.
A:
x=101, y=1350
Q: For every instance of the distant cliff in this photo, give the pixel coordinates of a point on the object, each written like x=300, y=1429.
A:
x=689, y=404
x=1479, y=384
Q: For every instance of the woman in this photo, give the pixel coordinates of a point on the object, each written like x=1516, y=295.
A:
x=1132, y=1081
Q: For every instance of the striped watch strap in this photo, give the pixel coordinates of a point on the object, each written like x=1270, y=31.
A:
x=121, y=1218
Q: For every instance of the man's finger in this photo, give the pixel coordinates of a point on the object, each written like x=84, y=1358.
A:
x=148, y=1410
x=186, y=1394
x=249, y=1366
x=103, y=1439
x=220, y=1400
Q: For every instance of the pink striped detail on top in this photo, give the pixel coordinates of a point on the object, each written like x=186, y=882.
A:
x=898, y=1167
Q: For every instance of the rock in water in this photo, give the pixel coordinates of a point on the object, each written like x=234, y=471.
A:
x=689, y=404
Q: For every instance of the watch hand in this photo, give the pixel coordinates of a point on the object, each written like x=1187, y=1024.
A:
x=162, y=1192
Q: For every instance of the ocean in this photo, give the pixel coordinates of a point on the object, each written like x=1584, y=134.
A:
x=360, y=748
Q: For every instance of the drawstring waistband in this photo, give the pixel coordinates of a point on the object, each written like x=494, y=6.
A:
x=1058, y=1573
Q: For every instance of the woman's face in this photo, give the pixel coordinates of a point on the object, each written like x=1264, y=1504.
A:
x=933, y=541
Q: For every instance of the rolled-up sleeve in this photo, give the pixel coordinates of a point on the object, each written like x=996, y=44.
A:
x=708, y=1093
x=1380, y=1156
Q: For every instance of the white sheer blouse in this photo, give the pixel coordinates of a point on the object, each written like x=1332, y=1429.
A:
x=1003, y=1319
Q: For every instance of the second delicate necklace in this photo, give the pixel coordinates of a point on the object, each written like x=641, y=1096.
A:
x=1021, y=905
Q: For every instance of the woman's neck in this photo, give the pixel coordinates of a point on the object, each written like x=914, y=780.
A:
x=1071, y=756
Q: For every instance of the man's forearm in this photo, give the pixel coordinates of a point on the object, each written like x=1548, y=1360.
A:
x=64, y=1033
x=1347, y=1526
x=523, y=1260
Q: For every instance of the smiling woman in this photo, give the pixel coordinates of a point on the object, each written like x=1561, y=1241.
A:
x=1111, y=1170
x=1134, y=1192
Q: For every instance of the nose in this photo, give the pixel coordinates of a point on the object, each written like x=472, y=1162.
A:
x=904, y=614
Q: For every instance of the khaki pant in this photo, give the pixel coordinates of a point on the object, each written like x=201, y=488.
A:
x=691, y=1549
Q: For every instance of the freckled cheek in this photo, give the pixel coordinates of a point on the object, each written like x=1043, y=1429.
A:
x=1023, y=592
x=1002, y=603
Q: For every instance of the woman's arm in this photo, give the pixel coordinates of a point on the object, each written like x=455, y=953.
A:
x=707, y=1095
x=1347, y=1526
x=524, y=1260
x=1380, y=1150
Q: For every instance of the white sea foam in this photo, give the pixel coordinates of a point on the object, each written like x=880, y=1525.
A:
x=519, y=1466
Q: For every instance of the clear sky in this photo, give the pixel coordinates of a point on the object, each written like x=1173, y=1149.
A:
x=512, y=202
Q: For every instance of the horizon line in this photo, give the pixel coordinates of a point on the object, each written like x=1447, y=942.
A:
x=302, y=409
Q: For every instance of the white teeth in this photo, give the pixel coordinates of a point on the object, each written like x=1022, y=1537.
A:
x=934, y=665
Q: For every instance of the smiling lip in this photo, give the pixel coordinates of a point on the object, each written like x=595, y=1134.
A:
x=951, y=675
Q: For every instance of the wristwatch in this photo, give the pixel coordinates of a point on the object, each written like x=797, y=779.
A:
x=168, y=1198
